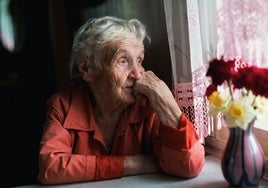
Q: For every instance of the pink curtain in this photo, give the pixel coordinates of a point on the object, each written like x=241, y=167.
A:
x=243, y=31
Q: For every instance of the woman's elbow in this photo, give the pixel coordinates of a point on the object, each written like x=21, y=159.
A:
x=192, y=169
x=189, y=168
x=184, y=164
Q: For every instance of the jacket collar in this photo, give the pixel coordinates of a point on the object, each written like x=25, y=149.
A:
x=80, y=115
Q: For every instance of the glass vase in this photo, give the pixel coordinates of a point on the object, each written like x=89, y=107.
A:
x=243, y=161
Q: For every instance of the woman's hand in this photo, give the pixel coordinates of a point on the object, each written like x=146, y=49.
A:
x=160, y=97
x=140, y=164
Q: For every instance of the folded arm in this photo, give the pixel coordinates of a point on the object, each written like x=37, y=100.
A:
x=178, y=148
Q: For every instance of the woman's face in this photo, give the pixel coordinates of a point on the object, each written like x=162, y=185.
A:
x=118, y=74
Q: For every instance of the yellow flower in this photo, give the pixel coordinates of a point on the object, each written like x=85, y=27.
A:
x=239, y=113
x=236, y=110
x=215, y=99
x=218, y=100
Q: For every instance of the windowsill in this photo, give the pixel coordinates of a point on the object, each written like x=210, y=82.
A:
x=215, y=145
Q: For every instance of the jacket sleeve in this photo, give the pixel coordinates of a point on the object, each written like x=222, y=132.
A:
x=179, y=151
x=58, y=165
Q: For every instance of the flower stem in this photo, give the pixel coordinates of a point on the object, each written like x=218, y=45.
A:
x=230, y=89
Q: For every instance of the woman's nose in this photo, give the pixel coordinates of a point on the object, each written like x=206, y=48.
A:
x=136, y=72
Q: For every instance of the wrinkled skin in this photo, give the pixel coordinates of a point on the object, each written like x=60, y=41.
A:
x=116, y=79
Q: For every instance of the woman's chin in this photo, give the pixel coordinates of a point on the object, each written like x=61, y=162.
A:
x=128, y=95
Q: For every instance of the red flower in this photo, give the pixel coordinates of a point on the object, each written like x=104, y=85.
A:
x=252, y=78
x=220, y=70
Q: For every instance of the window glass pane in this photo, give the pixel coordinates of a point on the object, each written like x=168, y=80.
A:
x=6, y=26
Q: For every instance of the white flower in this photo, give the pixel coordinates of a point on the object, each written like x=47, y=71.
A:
x=261, y=106
x=239, y=113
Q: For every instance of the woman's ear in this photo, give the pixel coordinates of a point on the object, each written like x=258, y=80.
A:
x=86, y=71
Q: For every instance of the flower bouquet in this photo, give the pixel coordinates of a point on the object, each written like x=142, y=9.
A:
x=238, y=91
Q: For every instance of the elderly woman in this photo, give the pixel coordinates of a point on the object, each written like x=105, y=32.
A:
x=115, y=119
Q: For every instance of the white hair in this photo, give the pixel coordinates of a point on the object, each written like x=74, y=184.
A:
x=99, y=34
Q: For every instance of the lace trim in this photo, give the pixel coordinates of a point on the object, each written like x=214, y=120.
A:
x=191, y=99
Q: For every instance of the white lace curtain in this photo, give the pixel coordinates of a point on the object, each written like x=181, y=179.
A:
x=199, y=30
x=191, y=49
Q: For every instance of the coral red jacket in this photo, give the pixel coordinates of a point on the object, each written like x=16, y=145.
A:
x=72, y=148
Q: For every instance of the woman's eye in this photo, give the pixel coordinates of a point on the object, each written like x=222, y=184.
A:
x=139, y=61
x=123, y=62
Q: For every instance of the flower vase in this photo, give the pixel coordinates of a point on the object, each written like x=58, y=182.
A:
x=243, y=161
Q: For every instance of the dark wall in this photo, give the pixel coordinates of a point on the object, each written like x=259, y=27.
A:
x=29, y=76
x=27, y=79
